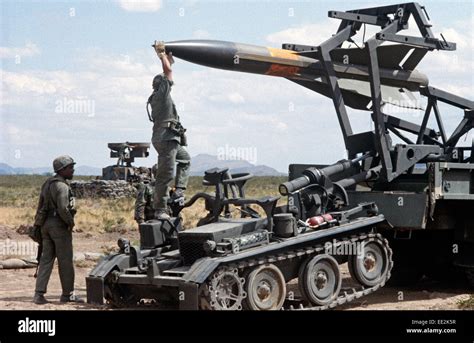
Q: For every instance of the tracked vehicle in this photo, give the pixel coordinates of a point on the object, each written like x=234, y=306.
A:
x=412, y=196
x=233, y=263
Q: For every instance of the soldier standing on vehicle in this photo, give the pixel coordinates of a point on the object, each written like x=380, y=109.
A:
x=168, y=138
x=55, y=220
x=144, y=210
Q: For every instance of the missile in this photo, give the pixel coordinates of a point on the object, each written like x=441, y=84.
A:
x=353, y=76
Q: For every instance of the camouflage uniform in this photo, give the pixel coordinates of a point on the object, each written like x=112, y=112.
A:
x=144, y=203
x=57, y=236
x=167, y=142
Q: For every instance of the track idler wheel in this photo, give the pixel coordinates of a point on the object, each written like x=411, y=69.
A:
x=370, y=265
x=266, y=288
x=320, y=279
x=223, y=291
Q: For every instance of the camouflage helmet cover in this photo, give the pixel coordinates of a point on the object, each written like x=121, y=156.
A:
x=62, y=162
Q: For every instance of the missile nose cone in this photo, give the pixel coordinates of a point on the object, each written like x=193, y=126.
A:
x=211, y=53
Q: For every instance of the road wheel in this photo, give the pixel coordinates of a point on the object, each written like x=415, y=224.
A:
x=370, y=266
x=320, y=279
x=266, y=288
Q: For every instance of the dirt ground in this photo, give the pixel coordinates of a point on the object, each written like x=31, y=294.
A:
x=17, y=286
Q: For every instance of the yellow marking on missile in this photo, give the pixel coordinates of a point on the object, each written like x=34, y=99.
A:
x=281, y=53
x=288, y=68
x=277, y=60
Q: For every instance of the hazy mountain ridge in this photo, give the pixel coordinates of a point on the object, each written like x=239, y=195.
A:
x=199, y=164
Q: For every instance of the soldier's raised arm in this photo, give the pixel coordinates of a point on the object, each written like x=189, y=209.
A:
x=166, y=59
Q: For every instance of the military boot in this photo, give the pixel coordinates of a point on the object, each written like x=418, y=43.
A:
x=161, y=214
x=39, y=299
x=71, y=299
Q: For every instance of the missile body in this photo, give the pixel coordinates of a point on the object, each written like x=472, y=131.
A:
x=307, y=71
x=279, y=62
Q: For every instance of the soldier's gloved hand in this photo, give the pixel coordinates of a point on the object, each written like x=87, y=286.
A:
x=160, y=48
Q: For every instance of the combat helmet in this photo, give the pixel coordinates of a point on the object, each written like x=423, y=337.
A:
x=62, y=162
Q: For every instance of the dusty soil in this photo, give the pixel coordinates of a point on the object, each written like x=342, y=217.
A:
x=17, y=286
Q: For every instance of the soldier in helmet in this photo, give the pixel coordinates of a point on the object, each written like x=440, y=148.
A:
x=168, y=139
x=144, y=209
x=55, y=218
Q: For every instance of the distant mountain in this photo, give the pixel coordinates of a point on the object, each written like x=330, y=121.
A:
x=5, y=169
x=199, y=164
x=202, y=162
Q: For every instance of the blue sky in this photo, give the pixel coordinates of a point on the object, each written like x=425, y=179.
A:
x=98, y=52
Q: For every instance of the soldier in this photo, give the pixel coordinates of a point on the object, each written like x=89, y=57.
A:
x=55, y=217
x=168, y=139
x=144, y=203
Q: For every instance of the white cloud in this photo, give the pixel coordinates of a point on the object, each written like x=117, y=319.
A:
x=462, y=40
x=236, y=98
x=310, y=34
x=122, y=65
x=21, y=136
x=233, y=97
x=451, y=70
x=218, y=107
x=201, y=34
x=30, y=49
x=18, y=83
x=140, y=5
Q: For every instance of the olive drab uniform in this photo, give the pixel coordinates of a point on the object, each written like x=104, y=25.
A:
x=144, y=203
x=56, y=217
x=168, y=141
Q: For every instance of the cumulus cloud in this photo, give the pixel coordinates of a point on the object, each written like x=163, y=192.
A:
x=21, y=136
x=449, y=70
x=35, y=85
x=140, y=5
x=30, y=49
x=218, y=107
x=201, y=34
x=309, y=34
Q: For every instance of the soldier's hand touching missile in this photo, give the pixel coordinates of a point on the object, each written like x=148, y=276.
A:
x=166, y=59
x=160, y=48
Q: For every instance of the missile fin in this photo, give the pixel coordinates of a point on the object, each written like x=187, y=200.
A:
x=400, y=97
x=389, y=56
